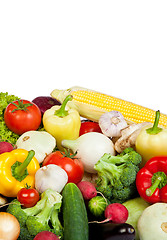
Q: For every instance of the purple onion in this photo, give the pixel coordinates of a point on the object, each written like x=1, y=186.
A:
x=45, y=102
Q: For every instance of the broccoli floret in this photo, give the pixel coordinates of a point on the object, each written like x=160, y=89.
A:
x=15, y=209
x=129, y=174
x=124, y=193
x=21, y=214
x=55, y=221
x=132, y=156
x=40, y=222
x=36, y=219
x=117, y=175
x=24, y=234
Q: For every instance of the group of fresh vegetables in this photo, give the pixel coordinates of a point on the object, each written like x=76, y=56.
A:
x=65, y=177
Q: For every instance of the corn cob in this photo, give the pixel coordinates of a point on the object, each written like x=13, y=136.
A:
x=91, y=105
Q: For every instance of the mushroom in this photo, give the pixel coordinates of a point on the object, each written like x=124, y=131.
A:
x=128, y=136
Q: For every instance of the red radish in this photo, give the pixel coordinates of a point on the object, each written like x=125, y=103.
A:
x=46, y=235
x=5, y=147
x=116, y=212
x=87, y=189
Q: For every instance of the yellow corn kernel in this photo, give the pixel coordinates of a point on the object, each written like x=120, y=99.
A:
x=91, y=104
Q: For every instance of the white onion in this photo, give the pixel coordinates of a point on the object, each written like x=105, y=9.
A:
x=90, y=147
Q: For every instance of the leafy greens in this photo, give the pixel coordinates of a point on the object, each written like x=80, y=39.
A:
x=5, y=133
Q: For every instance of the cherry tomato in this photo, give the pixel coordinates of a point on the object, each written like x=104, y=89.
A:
x=89, y=126
x=21, y=116
x=73, y=166
x=28, y=197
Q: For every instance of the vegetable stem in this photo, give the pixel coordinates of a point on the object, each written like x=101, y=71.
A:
x=155, y=129
x=61, y=112
x=21, y=106
x=151, y=190
x=159, y=180
x=19, y=170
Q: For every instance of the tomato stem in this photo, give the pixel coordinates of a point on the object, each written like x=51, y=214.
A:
x=68, y=154
x=27, y=186
x=21, y=106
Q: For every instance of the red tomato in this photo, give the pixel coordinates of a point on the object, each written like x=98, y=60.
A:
x=21, y=116
x=28, y=197
x=73, y=166
x=89, y=126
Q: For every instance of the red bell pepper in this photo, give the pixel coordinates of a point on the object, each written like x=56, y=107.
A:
x=151, y=180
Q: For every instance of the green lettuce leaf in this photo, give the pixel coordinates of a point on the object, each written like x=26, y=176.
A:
x=6, y=134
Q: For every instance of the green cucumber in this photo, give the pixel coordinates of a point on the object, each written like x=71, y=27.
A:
x=75, y=218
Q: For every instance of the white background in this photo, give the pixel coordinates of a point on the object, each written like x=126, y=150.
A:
x=115, y=47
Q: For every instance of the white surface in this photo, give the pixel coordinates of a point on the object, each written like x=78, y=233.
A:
x=116, y=47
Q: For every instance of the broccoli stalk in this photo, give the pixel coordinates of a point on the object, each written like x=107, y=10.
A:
x=36, y=219
x=117, y=175
x=40, y=222
x=56, y=224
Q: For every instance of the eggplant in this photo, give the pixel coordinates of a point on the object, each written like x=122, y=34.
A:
x=111, y=231
x=45, y=102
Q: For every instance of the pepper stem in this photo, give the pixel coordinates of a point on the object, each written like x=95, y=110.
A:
x=155, y=129
x=61, y=112
x=159, y=180
x=151, y=190
x=19, y=170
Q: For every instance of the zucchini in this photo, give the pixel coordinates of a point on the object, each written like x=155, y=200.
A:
x=75, y=218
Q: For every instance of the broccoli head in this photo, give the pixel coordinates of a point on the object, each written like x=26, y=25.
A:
x=41, y=221
x=15, y=209
x=117, y=175
x=132, y=156
x=38, y=218
x=24, y=233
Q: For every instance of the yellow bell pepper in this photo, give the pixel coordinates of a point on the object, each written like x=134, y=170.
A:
x=17, y=168
x=62, y=123
x=152, y=141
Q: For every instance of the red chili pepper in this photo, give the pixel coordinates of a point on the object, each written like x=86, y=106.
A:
x=151, y=180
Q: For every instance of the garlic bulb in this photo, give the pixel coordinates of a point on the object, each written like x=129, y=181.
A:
x=111, y=123
x=50, y=177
